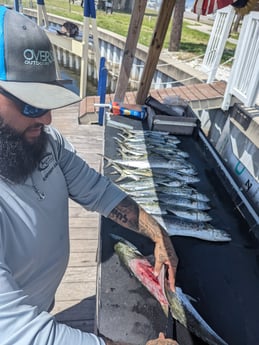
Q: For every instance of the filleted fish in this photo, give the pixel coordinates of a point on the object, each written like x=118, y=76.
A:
x=180, y=306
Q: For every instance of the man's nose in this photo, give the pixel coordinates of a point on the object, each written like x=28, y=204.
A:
x=45, y=119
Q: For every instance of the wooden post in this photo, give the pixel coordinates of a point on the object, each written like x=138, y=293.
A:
x=155, y=48
x=89, y=12
x=96, y=44
x=84, y=58
x=42, y=18
x=39, y=15
x=130, y=49
x=16, y=6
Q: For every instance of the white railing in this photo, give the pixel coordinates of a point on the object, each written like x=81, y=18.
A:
x=218, y=37
x=244, y=76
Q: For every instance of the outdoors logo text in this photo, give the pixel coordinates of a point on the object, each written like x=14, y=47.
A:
x=40, y=57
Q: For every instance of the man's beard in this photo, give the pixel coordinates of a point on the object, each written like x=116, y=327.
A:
x=18, y=157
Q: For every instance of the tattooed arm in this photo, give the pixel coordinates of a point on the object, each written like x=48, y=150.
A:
x=130, y=215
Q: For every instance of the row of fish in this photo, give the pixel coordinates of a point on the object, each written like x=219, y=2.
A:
x=158, y=175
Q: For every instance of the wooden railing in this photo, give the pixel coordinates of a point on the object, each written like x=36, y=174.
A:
x=244, y=76
x=219, y=35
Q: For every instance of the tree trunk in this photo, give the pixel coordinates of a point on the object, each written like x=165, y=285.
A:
x=156, y=45
x=177, y=23
x=130, y=49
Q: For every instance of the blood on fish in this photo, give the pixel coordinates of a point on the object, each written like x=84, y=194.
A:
x=145, y=272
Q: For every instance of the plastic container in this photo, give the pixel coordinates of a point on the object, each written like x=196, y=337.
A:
x=130, y=110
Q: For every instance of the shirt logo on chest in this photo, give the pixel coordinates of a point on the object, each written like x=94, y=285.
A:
x=47, y=165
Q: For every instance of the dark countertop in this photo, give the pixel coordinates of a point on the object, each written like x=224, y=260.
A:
x=222, y=277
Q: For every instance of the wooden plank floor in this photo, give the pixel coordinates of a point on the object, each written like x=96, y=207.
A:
x=76, y=296
x=199, y=96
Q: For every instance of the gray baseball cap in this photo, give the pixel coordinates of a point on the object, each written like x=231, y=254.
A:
x=27, y=64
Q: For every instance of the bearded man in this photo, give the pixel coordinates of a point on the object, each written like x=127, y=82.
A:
x=39, y=172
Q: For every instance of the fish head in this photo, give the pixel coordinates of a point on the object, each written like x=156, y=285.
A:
x=125, y=252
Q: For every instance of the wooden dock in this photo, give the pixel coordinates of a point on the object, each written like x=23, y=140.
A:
x=76, y=296
x=198, y=96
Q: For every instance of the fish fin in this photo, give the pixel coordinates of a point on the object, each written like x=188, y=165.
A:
x=117, y=167
x=168, y=292
x=117, y=139
x=121, y=178
x=123, y=175
x=120, y=135
x=117, y=237
x=121, y=152
x=190, y=298
x=171, y=211
x=113, y=173
x=109, y=160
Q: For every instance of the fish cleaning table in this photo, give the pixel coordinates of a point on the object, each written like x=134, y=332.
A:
x=222, y=277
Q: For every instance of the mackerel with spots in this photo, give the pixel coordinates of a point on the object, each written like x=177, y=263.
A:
x=146, y=164
x=176, y=226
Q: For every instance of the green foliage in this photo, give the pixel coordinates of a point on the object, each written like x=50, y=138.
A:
x=192, y=41
x=117, y=22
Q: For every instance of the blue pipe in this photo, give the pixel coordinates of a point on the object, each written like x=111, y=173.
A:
x=89, y=9
x=103, y=73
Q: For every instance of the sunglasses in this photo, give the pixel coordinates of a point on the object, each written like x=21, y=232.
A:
x=25, y=109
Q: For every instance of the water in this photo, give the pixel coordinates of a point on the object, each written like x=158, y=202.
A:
x=74, y=81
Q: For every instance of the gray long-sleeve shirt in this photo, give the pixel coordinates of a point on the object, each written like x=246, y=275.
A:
x=34, y=242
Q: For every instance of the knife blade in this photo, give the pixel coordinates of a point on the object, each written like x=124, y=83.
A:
x=170, y=329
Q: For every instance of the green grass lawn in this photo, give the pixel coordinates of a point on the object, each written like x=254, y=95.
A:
x=193, y=42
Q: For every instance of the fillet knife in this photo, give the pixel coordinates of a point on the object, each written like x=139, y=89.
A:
x=170, y=329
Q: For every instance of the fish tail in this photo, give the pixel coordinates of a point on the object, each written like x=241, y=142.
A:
x=123, y=176
x=120, y=135
x=117, y=139
x=123, y=155
x=117, y=168
x=109, y=161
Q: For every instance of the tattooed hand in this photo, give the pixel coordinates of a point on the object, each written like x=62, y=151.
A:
x=165, y=255
x=130, y=215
